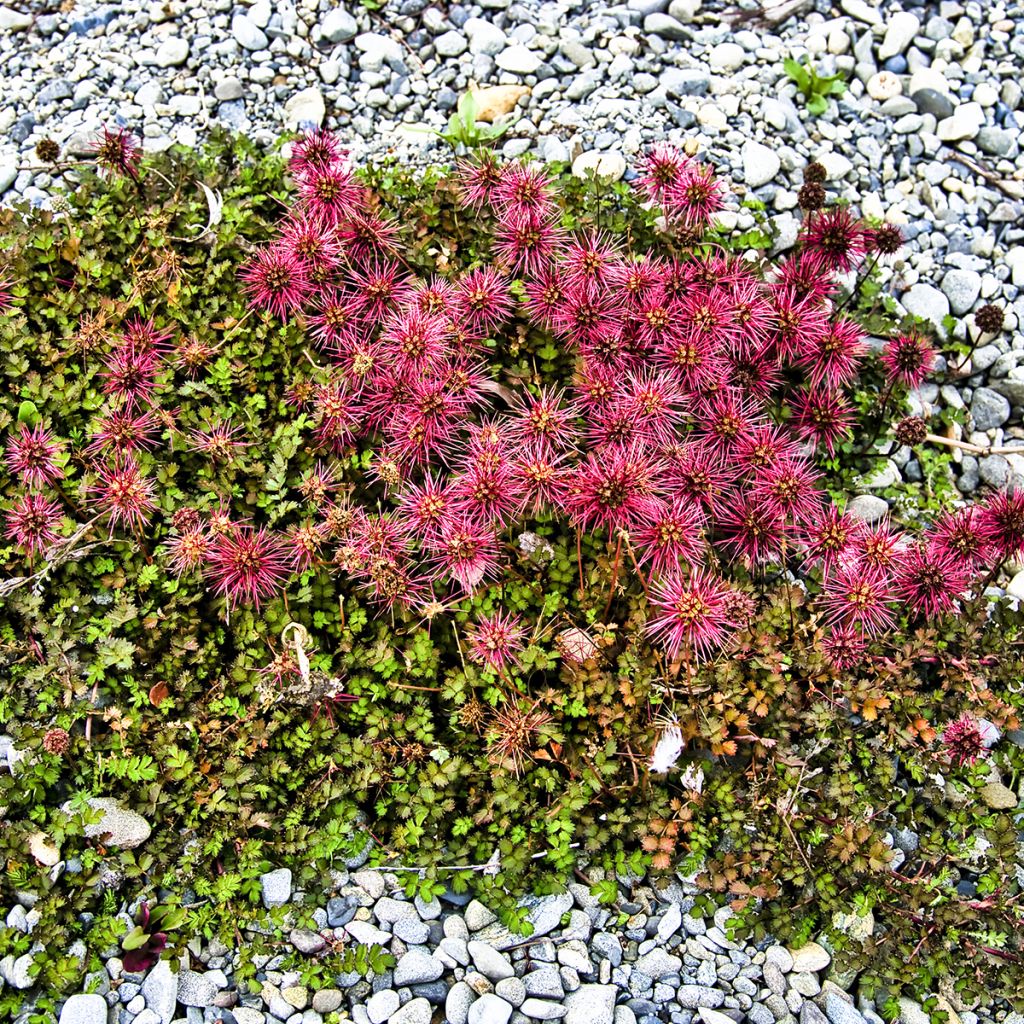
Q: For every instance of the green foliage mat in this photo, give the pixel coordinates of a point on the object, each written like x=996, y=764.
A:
x=170, y=707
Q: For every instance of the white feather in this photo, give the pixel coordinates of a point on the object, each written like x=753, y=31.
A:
x=667, y=750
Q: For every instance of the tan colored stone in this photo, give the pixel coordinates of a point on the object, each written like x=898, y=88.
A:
x=495, y=100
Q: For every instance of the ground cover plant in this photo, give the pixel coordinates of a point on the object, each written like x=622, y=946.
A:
x=492, y=519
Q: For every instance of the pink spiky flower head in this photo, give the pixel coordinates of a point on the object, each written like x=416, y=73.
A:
x=694, y=198
x=496, y=640
x=929, y=580
x=33, y=455
x=118, y=152
x=124, y=494
x=661, y=170
x=612, y=488
x=330, y=193
x=964, y=740
x=187, y=550
x=837, y=237
x=247, y=565
x=478, y=179
x=673, y=536
x=690, y=613
x=859, y=595
x=277, y=281
x=909, y=358
x=314, y=150
x=484, y=300
x=961, y=533
x=466, y=551
x=523, y=192
x=844, y=647
x=1001, y=521
x=32, y=521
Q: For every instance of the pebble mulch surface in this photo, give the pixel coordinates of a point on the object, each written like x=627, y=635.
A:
x=645, y=961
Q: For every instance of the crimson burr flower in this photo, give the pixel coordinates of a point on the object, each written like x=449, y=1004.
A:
x=187, y=550
x=859, y=595
x=661, y=170
x=277, y=281
x=837, y=237
x=496, y=640
x=799, y=323
x=590, y=262
x=5, y=295
x=909, y=358
x=424, y=507
x=673, y=536
x=752, y=529
x=844, y=647
x=828, y=536
x=833, y=357
x=466, y=551
x=1001, y=521
x=246, y=565
x=545, y=421
x=689, y=613
x=528, y=245
x=32, y=522
x=484, y=300
x=124, y=494
x=313, y=151
x=545, y=296
x=961, y=533
x=763, y=446
x=523, y=192
x=612, y=488
x=144, y=336
x=491, y=495
x=929, y=580
x=33, y=455
x=479, y=178
x=308, y=240
x=964, y=740
x=437, y=297
x=129, y=375
x=655, y=401
x=122, y=432
x=330, y=192
x=334, y=323
x=822, y=416
x=381, y=288
x=879, y=547
x=694, y=198
x=807, y=276
x=118, y=152
x=365, y=235
x=415, y=341
x=541, y=477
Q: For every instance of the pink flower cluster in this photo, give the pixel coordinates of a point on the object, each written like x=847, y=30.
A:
x=697, y=398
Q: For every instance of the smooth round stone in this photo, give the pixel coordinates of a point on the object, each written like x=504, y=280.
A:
x=897, y=65
x=931, y=101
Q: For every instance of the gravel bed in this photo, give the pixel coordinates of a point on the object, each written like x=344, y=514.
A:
x=644, y=961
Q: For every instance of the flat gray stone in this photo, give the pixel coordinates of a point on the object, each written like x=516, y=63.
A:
x=690, y=997
x=160, y=990
x=456, y=1006
x=416, y=1011
x=542, y=1009
x=338, y=26
x=658, y=963
x=590, y=1004
x=84, y=1009
x=382, y=1005
x=489, y=962
x=490, y=1009
x=989, y=409
x=417, y=967
x=195, y=989
x=276, y=887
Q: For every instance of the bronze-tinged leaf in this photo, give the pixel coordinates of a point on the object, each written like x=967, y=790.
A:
x=158, y=693
x=69, y=250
